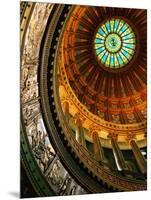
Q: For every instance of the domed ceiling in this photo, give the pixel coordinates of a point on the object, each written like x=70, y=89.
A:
x=100, y=53
x=111, y=81
x=83, y=97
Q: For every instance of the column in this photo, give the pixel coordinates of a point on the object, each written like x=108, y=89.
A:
x=66, y=110
x=97, y=147
x=83, y=142
x=78, y=138
x=80, y=132
x=141, y=161
x=119, y=159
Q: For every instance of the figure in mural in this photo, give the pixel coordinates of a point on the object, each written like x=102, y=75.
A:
x=54, y=174
x=73, y=190
x=65, y=188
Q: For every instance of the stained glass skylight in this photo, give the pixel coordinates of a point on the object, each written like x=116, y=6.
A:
x=115, y=43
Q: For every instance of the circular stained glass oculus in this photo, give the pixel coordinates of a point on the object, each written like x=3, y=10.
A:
x=115, y=43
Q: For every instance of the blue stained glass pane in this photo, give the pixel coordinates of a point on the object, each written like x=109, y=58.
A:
x=129, y=36
x=98, y=41
x=123, y=57
x=101, y=32
x=116, y=24
x=108, y=26
x=116, y=61
x=104, y=57
x=125, y=53
x=112, y=60
x=120, y=26
x=99, y=36
x=101, y=54
x=119, y=59
x=126, y=32
x=131, y=46
x=108, y=60
x=123, y=29
x=99, y=50
x=130, y=51
x=104, y=29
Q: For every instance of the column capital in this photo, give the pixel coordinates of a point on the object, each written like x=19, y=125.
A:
x=130, y=136
x=79, y=120
x=94, y=128
x=113, y=135
x=65, y=101
x=94, y=132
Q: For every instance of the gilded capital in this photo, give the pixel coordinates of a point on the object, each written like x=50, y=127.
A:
x=130, y=136
x=79, y=119
x=113, y=135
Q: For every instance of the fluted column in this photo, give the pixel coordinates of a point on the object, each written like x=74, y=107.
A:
x=141, y=161
x=119, y=159
x=97, y=147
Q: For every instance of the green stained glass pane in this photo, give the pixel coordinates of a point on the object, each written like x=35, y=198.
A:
x=130, y=46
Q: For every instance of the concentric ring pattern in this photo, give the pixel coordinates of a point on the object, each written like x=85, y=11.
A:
x=115, y=43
